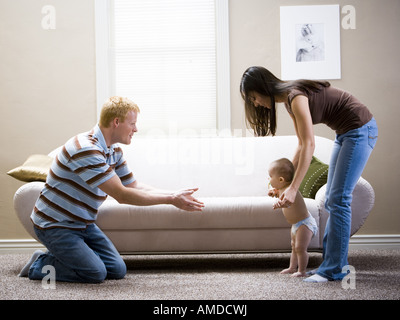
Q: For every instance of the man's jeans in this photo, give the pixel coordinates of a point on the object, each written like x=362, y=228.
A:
x=350, y=155
x=78, y=255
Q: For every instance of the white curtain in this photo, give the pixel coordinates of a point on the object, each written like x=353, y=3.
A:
x=163, y=56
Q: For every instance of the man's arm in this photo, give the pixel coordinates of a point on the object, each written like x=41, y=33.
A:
x=147, y=188
x=142, y=196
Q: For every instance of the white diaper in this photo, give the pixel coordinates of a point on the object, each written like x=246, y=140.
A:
x=309, y=222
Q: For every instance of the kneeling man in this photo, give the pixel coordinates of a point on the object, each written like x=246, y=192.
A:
x=89, y=167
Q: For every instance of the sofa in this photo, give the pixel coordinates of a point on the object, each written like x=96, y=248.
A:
x=232, y=177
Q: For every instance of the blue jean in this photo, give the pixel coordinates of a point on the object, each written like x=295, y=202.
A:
x=349, y=156
x=78, y=255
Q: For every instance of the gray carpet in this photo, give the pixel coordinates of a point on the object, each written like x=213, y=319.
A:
x=214, y=277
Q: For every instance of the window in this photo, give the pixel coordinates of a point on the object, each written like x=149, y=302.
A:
x=171, y=57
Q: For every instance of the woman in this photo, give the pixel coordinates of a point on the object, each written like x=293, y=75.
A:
x=308, y=103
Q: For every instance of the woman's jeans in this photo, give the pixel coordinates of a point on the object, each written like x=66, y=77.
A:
x=78, y=255
x=350, y=155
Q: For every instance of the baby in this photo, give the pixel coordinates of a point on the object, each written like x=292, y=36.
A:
x=304, y=227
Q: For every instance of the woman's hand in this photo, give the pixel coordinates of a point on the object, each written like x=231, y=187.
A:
x=287, y=198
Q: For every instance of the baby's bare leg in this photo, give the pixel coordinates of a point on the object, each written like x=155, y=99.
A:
x=302, y=240
x=293, y=258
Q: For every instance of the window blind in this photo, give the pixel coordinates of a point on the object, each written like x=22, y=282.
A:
x=163, y=56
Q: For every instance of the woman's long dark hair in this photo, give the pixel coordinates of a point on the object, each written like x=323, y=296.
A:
x=262, y=81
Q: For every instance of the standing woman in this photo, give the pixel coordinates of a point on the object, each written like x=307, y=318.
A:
x=308, y=103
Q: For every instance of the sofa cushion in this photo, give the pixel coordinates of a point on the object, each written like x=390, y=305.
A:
x=218, y=213
x=35, y=168
x=314, y=179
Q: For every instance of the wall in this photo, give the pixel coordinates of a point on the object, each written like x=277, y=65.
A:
x=48, y=89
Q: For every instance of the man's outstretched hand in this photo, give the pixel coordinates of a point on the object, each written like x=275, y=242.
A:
x=184, y=200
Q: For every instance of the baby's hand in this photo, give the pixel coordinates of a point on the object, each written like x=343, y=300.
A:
x=273, y=193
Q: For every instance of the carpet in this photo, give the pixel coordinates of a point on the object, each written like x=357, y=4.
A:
x=215, y=277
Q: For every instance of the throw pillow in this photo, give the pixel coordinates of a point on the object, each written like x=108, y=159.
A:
x=35, y=168
x=315, y=178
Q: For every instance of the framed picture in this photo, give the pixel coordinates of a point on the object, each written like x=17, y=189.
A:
x=310, y=42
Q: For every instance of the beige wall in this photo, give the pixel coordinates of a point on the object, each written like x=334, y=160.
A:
x=48, y=89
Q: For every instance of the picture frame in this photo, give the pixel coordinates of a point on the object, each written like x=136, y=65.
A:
x=310, y=42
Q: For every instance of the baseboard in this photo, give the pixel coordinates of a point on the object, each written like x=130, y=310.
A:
x=375, y=241
x=378, y=241
x=19, y=246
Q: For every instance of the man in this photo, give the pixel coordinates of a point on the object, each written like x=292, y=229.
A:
x=89, y=167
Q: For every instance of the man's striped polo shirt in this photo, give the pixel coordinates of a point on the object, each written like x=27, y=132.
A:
x=71, y=197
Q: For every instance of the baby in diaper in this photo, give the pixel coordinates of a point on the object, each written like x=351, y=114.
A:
x=304, y=226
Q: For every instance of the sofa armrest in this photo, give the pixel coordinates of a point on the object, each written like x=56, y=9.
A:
x=362, y=204
x=24, y=202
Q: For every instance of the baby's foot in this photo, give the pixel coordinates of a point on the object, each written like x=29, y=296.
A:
x=299, y=274
x=288, y=270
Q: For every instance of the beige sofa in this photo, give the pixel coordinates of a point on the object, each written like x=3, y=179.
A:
x=232, y=176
